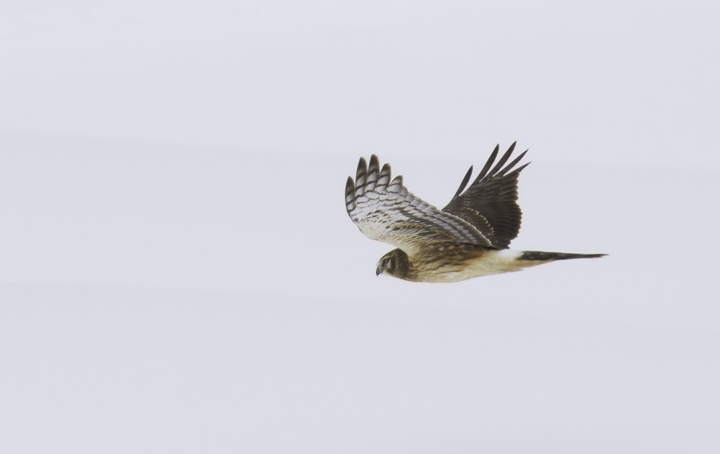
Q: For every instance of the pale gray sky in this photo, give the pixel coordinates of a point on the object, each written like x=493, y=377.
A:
x=584, y=81
x=178, y=273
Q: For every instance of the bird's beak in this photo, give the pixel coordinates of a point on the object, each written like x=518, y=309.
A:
x=378, y=271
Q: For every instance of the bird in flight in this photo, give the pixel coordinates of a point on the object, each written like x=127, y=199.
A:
x=466, y=239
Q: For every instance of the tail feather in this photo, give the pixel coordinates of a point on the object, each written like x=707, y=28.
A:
x=549, y=256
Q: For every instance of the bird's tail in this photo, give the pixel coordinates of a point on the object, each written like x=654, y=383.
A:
x=537, y=256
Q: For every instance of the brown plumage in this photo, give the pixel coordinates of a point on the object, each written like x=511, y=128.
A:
x=467, y=238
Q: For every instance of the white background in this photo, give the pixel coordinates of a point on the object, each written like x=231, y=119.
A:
x=178, y=273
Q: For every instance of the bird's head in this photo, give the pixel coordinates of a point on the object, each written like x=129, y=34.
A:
x=393, y=263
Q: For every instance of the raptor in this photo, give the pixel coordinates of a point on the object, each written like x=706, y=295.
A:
x=468, y=238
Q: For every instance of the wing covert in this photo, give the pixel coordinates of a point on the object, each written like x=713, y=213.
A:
x=385, y=210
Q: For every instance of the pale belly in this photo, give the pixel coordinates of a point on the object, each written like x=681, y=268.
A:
x=492, y=262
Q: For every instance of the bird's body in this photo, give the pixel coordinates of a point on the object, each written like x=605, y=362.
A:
x=468, y=238
x=449, y=262
x=452, y=262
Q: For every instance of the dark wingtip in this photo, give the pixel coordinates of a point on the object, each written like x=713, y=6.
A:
x=349, y=195
x=349, y=190
x=503, y=160
x=512, y=164
x=361, y=175
x=464, y=182
x=488, y=164
x=519, y=169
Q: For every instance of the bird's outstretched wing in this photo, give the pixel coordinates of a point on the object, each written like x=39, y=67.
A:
x=490, y=203
x=384, y=210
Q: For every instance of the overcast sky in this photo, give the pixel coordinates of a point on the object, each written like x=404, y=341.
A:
x=630, y=82
x=178, y=273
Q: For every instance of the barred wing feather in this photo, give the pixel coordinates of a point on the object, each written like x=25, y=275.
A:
x=385, y=210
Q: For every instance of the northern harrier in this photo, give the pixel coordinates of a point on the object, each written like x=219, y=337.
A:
x=468, y=238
